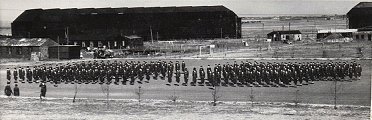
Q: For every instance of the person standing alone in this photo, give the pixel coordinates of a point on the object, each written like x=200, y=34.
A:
x=16, y=90
x=43, y=90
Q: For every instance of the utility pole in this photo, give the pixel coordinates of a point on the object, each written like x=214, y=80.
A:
x=152, y=39
x=58, y=47
x=236, y=27
x=221, y=32
x=251, y=96
x=66, y=35
x=157, y=36
x=335, y=97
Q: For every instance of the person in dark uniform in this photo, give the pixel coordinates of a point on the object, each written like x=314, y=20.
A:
x=170, y=74
x=178, y=76
x=8, y=74
x=16, y=90
x=202, y=75
x=194, y=76
x=177, y=65
x=29, y=74
x=183, y=65
x=15, y=75
x=21, y=74
x=43, y=90
x=8, y=90
x=185, y=76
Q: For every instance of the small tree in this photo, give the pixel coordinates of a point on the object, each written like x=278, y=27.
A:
x=174, y=97
x=215, y=95
x=139, y=93
x=76, y=90
x=106, y=91
x=251, y=97
x=296, y=100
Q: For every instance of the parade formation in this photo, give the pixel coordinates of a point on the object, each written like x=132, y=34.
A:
x=243, y=74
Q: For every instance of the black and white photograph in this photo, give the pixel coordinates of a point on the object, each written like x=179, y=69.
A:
x=185, y=59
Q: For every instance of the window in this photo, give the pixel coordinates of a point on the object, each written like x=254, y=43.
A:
x=362, y=37
x=91, y=44
x=123, y=42
x=9, y=50
x=82, y=44
x=99, y=44
x=357, y=37
x=19, y=50
x=369, y=37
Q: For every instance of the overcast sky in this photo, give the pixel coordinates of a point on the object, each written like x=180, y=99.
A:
x=10, y=9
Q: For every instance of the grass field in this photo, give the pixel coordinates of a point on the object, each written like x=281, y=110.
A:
x=96, y=109
x=349, y=93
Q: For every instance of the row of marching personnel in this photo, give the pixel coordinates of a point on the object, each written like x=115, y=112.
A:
x=250, y=74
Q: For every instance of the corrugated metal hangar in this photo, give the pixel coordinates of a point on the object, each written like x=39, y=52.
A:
x=360, y=16
x=149, y=23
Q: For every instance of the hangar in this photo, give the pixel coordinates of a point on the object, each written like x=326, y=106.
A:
x=360, y=16
x=148, y=23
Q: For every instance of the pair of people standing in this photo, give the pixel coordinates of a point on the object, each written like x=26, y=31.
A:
x=8, y=90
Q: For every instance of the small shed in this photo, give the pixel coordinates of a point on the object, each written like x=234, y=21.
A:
x=25, y=48
x=133, y=41
x=64, y=52
x=321, y=34
x=285, y=35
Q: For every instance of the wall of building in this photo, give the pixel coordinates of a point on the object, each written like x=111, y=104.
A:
x=363, y=35
x=291, y=37
x=163, y=25
x=17, y=52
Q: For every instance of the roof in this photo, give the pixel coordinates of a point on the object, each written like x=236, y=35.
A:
x=285, y=32
x=133, y=37
x=361, y=8
x=337, y=30
x=58, y=14
x=334, y=36
x=364, y=5
x=27, y=42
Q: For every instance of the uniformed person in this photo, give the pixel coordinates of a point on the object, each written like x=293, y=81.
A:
x=185, y=76
x=178, y=76
x=8, y=74
x=43, y=90
x=15, y=75
x=194, y=76
x=170, y=75
x=202, y=75
x=29, y=74
x=183, y=65
x=16, y=90
x=21, y=73
x=8, y=90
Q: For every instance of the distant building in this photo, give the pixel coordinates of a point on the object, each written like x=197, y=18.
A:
x=321, y=34
x=94, y=25
x=363, y=34
x=64, y=52
x=25, y=48
x=285, y=35
x=109, y=41
x=360, y=16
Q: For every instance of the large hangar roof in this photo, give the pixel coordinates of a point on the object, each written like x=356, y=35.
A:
x=34, y=14
x=361, y=8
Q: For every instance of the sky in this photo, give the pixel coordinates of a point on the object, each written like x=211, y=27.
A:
x=10, y=9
